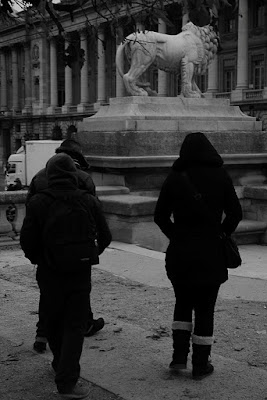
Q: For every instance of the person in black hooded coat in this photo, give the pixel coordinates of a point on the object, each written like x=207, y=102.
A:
x=39, y=182
x=65, y=294
x=195, y=262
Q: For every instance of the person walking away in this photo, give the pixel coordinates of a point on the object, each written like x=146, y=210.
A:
x=39, y=182
x=59, y=234
x=195, y=261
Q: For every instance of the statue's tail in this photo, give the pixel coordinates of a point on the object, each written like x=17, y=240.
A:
x=119, y=58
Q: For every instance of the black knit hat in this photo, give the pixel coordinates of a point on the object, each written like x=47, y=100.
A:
x=74, y=150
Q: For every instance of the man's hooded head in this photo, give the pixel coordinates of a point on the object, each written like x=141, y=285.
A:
x=61, y=171
x=74, y=150
x=197, y=149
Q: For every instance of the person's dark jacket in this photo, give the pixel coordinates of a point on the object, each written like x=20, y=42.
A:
x=62, y=179
x=195, y=252
x=39, y=182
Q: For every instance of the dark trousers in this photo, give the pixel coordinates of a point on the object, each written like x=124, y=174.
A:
x=198, y=298
x=40, y=331
x=66, y=310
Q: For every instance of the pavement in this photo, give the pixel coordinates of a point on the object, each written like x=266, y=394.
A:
x=137, y=369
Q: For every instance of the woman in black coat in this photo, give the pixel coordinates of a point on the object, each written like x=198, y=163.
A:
x=195, y=262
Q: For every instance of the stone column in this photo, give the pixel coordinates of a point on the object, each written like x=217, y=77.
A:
x=35, y=65
x=101, y=68
x=144, y=77
x=84, y=72
x=27, y=79
x=139, y=26
x=212, y=78
x=15, y=79
x=53, y=75
x=3, y=81
x=162, y=75
x=120, y=90
x=185, y=17
x=68, y=80
x=242, y=51
x=44, y=74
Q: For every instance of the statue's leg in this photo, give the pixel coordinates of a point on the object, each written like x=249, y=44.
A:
x=195, y=87
x=187, y=73
x=130, y=83
x=139, y=64
x=146, y=86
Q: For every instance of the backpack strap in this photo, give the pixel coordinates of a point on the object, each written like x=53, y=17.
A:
x=61, y=195
x=199, y=199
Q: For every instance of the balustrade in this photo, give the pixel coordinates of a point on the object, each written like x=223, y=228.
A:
x=222, y=95
x=12, y=213
x=253, y=94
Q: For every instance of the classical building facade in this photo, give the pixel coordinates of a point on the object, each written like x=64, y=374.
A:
x=50, y=82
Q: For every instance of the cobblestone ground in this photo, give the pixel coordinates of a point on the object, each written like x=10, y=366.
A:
x=240, y=329
x=240, y=325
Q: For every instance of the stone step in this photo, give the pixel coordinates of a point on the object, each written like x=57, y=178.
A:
x=131, y=220
x=250, y=231
x=5, y=241
x=111, y=190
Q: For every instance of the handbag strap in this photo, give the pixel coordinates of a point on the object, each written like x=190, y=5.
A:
x=199, y=198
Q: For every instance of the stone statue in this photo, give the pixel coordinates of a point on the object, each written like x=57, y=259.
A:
x=189, y=51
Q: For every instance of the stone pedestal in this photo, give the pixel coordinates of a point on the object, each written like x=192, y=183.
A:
x=133, y=142
x=140, y=137
x=168, y=114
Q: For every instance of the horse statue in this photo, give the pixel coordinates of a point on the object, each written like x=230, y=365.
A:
x=190, y=51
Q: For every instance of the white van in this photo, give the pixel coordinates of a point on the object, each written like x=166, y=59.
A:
x=15, y=175
x=27, y=161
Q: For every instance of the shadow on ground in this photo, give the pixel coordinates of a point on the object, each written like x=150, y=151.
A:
x=28, y=376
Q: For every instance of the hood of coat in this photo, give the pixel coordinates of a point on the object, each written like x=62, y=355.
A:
x=61, y=172
x=196, y=149
x=74, y=150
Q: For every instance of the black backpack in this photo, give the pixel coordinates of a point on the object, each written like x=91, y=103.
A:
x=69, y=234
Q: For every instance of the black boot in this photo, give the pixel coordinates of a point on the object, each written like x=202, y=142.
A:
x=181, y=347
x=200, y=360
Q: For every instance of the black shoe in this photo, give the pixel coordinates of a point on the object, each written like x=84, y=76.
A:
x=40, y=347
x=79, y=391
x=177, y=366
x=94, y=327
x=201, y=372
